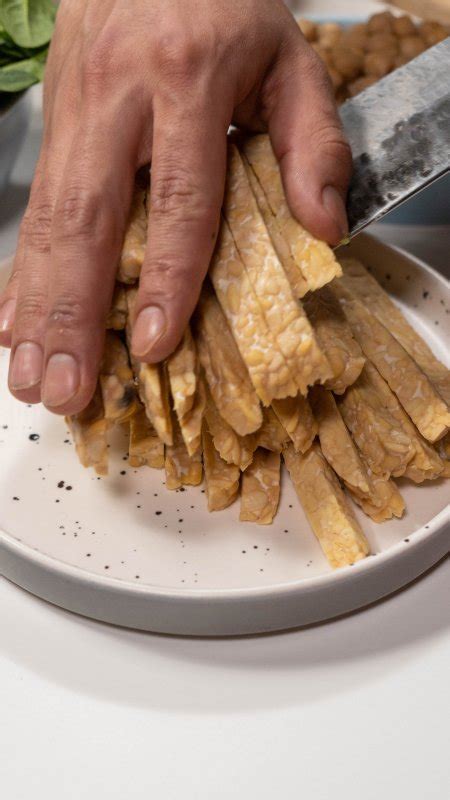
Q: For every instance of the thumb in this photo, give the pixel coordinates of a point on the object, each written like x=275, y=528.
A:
x=309, y=142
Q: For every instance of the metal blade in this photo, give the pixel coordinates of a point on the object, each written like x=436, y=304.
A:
x=399, y=132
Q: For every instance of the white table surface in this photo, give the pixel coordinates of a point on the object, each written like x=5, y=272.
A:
x=357, y=707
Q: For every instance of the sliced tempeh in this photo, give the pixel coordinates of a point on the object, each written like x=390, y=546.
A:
x=294, y=275
x=191, y=422
x=417, y=395
x=326, y=507
x=336, y=338
x=386, y=448
x=222, y=479
x=260, y=491
x=284, y=315
x=272, y=436
x=226, y=373
x=182, y=370
x=296, y=417
x=152, y=383
x=314, y=258
x=234, y=449
x=118, y=313
x=337, y=444
x=89, y=430
x=385, y=501
x=181, y=468
x=267, y=367
x=116, y=381
x=133, y=251
x=146, y=448
x=359, y=281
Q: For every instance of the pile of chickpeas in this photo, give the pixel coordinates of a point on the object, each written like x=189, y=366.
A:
x=358, y=56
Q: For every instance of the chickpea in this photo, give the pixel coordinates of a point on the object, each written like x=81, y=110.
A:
x=348, y=61
x=380, y=23
x=329, y=34
x=382, y=41
x=309, y=29
x=432, y=33
x=356, y=36
x=358, y=86
x=403, y=26
x=400, y=61
x=411, y=46
x=378, y=64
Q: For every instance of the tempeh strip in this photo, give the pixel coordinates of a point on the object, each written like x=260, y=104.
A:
x=284, y=315
x=359, y=281
x=222, y=479
x=326, y=507
x=133, y=251
x=294, y=275
x=182, y=370
x=260, y=491
x=314, y=258
x=226, y=373
x=191, y=422
x=386, y=448
x=146, y=448
x=296, y=417
x=89, y=430
x=116, y=381
x=425, y=464
x=417, y=395
x=272, y=436
x=181, y=468
x=267, y=367
x=385, y=501
x=118, y=313
x=234, y=449
x=336, y=338
x=337, y=444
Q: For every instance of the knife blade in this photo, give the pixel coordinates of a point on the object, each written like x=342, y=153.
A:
x=399, y=132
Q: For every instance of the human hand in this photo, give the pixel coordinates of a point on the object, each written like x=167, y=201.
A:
x=160, y=81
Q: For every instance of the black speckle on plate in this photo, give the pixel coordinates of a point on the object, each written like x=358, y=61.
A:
x=425, y=294
x=69, y=488
x=34, y=437
x=61, y=485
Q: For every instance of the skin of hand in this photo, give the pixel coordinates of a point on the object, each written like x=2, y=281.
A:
x=155, y=81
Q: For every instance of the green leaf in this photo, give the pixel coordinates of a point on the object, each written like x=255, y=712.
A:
x=22, y=74
x=29, y=22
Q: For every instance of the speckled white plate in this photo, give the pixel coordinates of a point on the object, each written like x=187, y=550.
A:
x=125, y=550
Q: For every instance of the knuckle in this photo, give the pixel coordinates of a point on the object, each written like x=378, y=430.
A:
x=77, y=214
x=31, y=308
x=36, y=226
x=102, y=61
x=175, y=192
x=179, y=54
x=68, y=314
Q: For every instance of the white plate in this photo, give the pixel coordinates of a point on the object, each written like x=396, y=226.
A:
x=125, y=550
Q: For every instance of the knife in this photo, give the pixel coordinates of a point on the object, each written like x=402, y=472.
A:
x=399, y=132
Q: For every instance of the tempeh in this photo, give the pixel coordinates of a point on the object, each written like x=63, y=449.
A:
x=284, y=315
x=182, y=370
x=296, y=417
x=234, y=449
x=118, y=313
x=222, y=479
x=315, y=259
x=260, y=490
x=146, y=448
x=89, y=430
x=181, y=468
x=336, y=338
x=272, y=436
x=191, y=422
x=133, y=251
x=226, y=374
x=417, y=395
x=326, y=507
x=116, y=381
x=359, y=281
x=266, y=365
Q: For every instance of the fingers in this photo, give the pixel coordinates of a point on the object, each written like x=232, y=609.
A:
x=86, y=235
x=187, y=184
x=308, y=139
x=8, y=300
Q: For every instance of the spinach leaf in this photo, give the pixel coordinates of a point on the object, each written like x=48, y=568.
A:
x=22, y=74
x=28, y=22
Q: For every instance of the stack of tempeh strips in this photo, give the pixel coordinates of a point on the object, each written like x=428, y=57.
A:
x=289, y=354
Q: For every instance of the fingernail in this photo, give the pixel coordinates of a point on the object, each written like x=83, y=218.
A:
x=26, y=367
x=62, y=380
x=7, y=315
x=335, y=207
x=148, y=329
